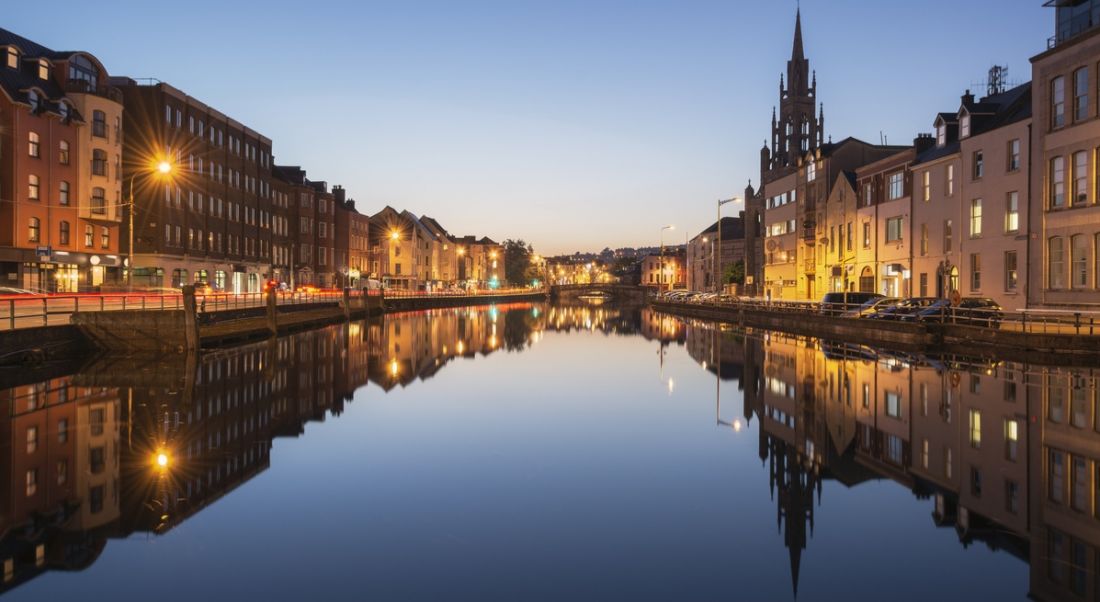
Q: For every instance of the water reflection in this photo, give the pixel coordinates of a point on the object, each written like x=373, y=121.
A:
x=1009, y=453
x=1006, y=453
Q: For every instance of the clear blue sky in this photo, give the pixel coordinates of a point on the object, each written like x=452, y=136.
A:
x=573, y=124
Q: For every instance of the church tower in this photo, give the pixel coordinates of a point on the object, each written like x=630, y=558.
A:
x=798, y=127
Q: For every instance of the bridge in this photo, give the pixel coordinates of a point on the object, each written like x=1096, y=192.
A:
x=621, y=292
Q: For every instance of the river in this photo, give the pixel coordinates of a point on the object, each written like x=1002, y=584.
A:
x=533, y=452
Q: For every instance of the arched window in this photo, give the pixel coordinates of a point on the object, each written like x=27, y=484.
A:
x=89, y=235
x=63, y=152
x=1056, y=263
x=99, y=162
x=867, y=280
x=953, y=279
x=43, y=69
x=33, y=146
x=99, y=203
x=63, y=109
x=82, y=69
x=32, y=99
x=32, y=187
x=64, y=233
x=63, y=193
x=1079, y=261
x=34, y=229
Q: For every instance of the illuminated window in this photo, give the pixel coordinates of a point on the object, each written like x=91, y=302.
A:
x=1012, y=439
x=32, y=482
x=34, y=229
x=33, y=147
x=975, y=429
x=1012, y=212
x=975, y=218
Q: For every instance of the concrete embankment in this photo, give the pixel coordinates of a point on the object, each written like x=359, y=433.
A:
x=172, y=331
x=944, y=338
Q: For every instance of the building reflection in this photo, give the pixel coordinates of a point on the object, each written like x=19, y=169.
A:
x=1007, y=453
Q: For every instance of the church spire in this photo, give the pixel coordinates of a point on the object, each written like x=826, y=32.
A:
x=797, y=53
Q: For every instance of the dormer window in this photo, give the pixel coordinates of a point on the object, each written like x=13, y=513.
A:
x=13, y=58
x=63, y=109
x=941, y=134
x=81, y=68
x=43, y=69
x=32, y=98
x=964, y=125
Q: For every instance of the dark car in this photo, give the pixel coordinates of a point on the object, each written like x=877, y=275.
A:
x=903, y=309
x=936, y=311
x=978, y=311
x=834, y=304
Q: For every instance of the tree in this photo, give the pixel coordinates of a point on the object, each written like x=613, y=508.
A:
x=735, y=273
x=517, y=262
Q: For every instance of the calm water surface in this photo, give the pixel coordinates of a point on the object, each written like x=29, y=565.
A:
x=546, y=453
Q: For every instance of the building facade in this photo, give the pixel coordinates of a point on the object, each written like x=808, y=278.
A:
x=60, y=180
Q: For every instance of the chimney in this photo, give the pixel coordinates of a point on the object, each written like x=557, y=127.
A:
x=967, y=99
x=339, y=194
x=923, y=142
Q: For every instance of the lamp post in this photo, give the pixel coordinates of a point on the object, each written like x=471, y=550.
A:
x=661, y=270
x=164, y=168
x=718, y=250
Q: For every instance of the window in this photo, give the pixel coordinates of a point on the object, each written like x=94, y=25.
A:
x=63, y=152
x=1056, y=263
x=979, y=165
x=1058, y=182
x=99, y=202
x=62, y=472
x=99, y=162
x=923, y=240
x=941, y=134
x=896, y=188
x=1014, y=155
x=89, y=233
x=964, y=125
x=1012, y=439
x=1058, y=102
x=99, y=124
x=975, y=272
x=947, y=236
x=64, y=233
x=34, y=229
x=32, y=482
x=975, y=429
x=63, y=193
x=13, y=58
x=950, y=180
x=893, y=229
x=32, y=439
x=32, y=99
x=868, y=195
x=104, y=237
x=1012, y=275
x=926, y=186
x=63, y=430
x=1081, y=94
x=1079, y=261
x=1079, y=484
x=924, y=285
x=33, y=147
x=893, y=404
x=1012, y=212
x=811, y=171
x=43, y=69
x=1080, y=178
x=866, y=235
x=975, y=481
x=975, y=218
x=81, y=69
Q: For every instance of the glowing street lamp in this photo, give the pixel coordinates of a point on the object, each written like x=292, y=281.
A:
x=163, y=169
x=660, y=273
x=718, y=250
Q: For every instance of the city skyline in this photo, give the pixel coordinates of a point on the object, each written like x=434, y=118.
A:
x=605, y=123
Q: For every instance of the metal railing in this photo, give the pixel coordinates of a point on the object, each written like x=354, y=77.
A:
x=397, y=293
x=1032, y=321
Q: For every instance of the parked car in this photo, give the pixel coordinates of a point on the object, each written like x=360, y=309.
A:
x=869, y=308
x=834, y=304
x=936, y=311
x=904, y=308
x=978, y=311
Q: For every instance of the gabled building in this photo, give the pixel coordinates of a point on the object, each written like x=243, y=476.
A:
x=352, y=241
x=60, y=174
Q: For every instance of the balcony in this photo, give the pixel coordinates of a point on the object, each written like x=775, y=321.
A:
x=79, y=86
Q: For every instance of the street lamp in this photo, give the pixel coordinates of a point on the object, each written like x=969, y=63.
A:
x=164, y=168
x=718, y=250
x=661, y=271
